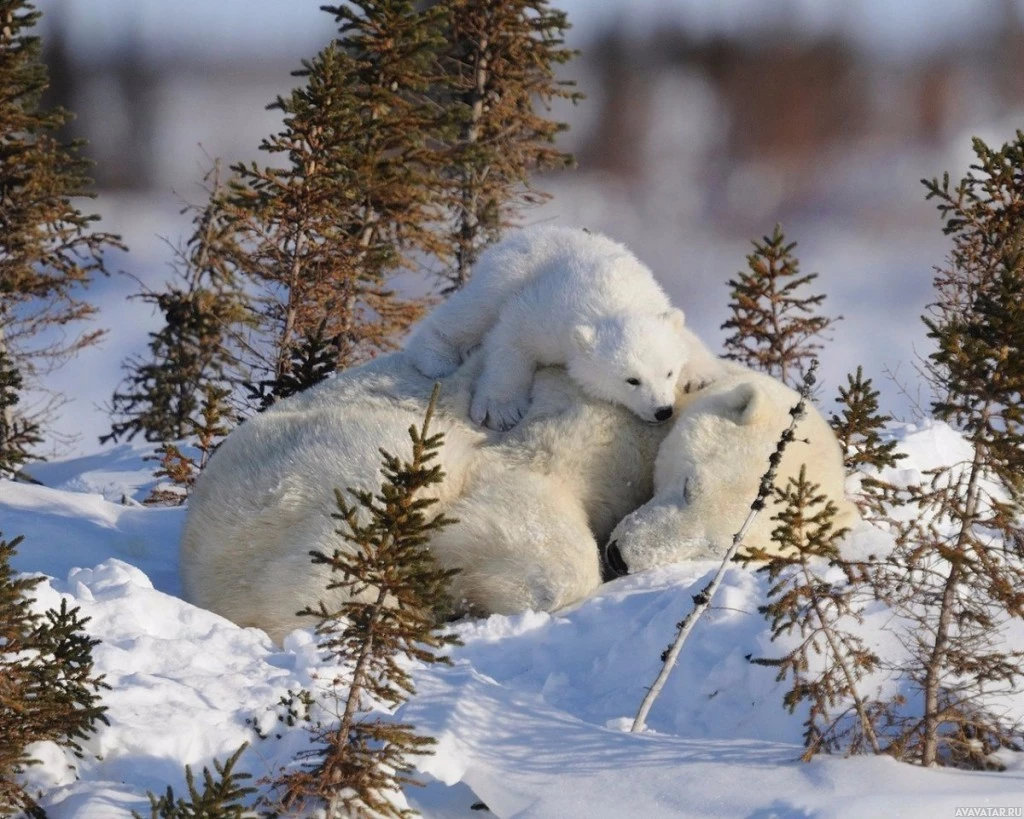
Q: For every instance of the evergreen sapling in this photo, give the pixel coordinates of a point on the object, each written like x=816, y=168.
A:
x=182, y=470
x=205, y=313
x=775, y=326
x=396, y=596
x=48, y=689
x=957, y=573
x=48, y=250
x=498, y=67
x=350, y=199
x=223, y=796
x=829, y=663
x=859, y=428
x=17, y=435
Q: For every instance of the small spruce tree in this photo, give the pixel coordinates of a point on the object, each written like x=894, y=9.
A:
x=205, y=312
x=181, y=470
x=775, y=328
x=350, y=200
x=48, y=689
x=17, y=435
x=396, y=596
x=215, y=422
x=48, y=250
x=859, y=429
x=500, y=64
x=957, y=573
x=829, y=663
x=223, y=796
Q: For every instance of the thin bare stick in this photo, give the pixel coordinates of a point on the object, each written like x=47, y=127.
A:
x=702, y=601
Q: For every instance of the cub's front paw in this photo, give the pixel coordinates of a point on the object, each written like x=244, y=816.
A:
x=435, y=362
x=498, y=414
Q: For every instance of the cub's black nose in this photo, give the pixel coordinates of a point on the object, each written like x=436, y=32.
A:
x=613, y=557
x=662, y=413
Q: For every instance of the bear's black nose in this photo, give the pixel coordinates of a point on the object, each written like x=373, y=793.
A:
x=613, y=557
x=662, y=413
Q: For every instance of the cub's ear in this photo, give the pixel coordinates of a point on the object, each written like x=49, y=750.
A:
x=584, y=337
x=744, y=405
x=676, y=318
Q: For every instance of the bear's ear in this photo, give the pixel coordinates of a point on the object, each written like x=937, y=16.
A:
x=744, y=404
x=676, y=318
x=584, y=337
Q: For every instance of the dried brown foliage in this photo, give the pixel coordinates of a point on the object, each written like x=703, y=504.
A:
x=498, y=69
x=48, y=249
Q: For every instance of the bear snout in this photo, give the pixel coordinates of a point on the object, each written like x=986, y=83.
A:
x=613, y=561
x=662, y=413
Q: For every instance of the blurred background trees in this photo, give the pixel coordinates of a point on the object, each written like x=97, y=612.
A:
x=705, y=124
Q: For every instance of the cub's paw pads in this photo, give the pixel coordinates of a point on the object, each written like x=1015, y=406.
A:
x=498, y=414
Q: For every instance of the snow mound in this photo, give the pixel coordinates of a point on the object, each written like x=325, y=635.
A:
x=532, y=719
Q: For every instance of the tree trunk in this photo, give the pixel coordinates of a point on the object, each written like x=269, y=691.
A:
x=8, y=417
x=468, y=223
x=937, y=657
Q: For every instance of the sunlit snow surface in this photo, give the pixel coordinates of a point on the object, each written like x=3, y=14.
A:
x=532, y=719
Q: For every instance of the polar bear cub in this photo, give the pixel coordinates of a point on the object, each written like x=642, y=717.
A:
x=556, y=295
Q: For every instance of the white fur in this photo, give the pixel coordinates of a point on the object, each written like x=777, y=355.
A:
x=532, y=504
x=709, y=467
x=556, y=295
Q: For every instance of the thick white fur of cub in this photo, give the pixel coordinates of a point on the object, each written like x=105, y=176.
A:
x=557, y=295
x=709, y=467
x=532, y=504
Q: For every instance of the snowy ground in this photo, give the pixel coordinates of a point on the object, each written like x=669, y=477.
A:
x=531, y=719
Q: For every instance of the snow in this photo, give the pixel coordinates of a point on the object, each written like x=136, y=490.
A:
x=531, y=719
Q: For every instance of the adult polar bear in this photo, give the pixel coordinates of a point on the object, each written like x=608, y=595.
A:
x=709, y=468
x=532, y=504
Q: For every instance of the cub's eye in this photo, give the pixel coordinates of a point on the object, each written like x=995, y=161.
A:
x=687, y=495
x=670, y=374
x=633, y=382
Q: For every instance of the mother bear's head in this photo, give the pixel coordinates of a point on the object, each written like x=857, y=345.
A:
x=708, y=470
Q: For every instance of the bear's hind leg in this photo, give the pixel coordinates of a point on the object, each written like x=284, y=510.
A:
x=521, y=541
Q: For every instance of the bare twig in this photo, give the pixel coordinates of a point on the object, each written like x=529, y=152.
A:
x=702, y=600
